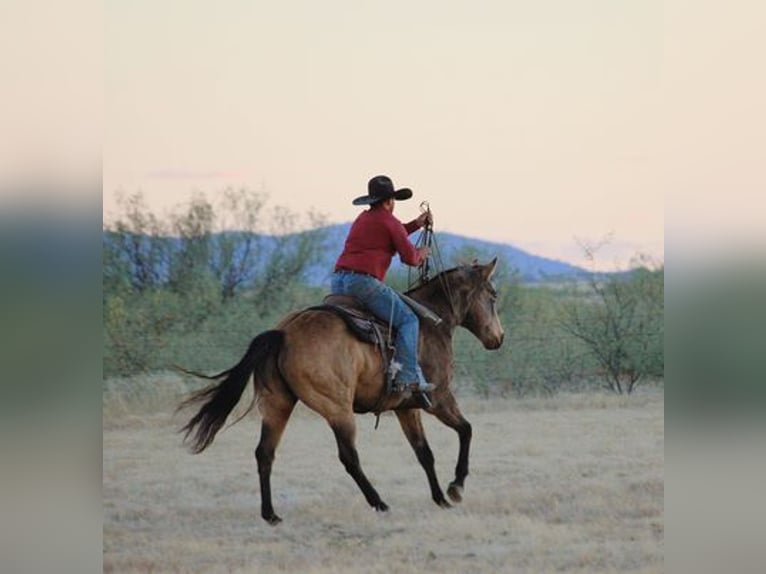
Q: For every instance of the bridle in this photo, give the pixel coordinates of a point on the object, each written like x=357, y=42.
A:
x=433, y=262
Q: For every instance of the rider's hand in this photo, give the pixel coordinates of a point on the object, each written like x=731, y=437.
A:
x=425, y=218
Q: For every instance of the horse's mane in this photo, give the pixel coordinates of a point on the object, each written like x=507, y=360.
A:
x=441, y=276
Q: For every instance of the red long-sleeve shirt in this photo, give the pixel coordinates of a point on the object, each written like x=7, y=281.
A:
x=374, y=238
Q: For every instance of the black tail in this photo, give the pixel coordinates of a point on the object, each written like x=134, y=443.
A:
x=220, y=399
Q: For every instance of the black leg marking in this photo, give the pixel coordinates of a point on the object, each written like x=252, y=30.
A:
x=344, y=436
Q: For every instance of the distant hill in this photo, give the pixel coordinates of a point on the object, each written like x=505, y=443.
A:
x=452, y=249
x=456, y=248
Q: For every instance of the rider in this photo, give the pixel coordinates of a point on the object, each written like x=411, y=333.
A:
x=375, y=236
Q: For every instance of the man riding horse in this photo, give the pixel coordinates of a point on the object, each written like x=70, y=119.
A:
x=312, y=356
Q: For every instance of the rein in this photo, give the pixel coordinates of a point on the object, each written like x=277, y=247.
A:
x=428, y=239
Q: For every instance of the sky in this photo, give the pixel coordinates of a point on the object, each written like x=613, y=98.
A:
x=531, y=123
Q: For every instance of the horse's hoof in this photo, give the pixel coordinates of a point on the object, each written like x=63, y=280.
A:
x=455, y=493
x=443, y=503
x=381, y=507
x=273, y=520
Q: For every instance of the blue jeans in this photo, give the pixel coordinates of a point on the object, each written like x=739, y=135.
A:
x=379, y=299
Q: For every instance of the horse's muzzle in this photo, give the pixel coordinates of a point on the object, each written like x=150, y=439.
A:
x=495, y=342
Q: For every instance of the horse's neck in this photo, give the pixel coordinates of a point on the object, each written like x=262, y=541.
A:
x=433, y=295
x=437, y=339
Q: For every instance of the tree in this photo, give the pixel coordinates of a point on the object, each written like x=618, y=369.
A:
x=621, y=324
x=166, y=280
x=242, y=249
x=290, y=255
x=238, y=243
x=190, y=264
x=135, y=249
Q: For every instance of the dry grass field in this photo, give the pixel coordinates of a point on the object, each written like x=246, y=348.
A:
x=573, y=483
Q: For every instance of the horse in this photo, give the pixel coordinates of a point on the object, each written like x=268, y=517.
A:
x=311, y=356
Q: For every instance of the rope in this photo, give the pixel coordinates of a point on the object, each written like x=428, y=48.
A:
x=428, y=239
x=391, y=322
x=425, y=239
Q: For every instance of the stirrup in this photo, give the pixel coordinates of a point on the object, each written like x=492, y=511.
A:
x=416, y=391
x=416, y=387
x=425, y=401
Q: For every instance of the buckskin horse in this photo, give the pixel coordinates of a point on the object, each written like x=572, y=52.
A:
x=313, y=357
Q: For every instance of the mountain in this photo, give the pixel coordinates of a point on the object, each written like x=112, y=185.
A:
x=449, y=250
x=454, y=249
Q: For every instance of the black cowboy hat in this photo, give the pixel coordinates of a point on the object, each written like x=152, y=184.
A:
x=380, y=188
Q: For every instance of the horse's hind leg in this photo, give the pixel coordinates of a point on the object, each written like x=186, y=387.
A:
x=449, y=413
x=275, y=412
x=345, y=435
x=412, y=425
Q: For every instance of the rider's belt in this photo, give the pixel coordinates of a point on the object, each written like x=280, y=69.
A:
x=346, y=270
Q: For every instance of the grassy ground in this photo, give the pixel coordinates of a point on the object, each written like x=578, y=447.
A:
x=571, y=483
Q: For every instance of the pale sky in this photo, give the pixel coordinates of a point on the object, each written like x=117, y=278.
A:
x=532, y=123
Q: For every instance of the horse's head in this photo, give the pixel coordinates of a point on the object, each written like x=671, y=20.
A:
x=479, y=296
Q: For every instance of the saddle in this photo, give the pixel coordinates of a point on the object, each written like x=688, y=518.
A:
x=363, y=324
x=366, y=326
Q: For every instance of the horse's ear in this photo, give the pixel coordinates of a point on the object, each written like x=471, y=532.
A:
x=489, y=270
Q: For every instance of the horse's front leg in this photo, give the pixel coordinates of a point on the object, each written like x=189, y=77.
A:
x=412, y=426
x=449, y=413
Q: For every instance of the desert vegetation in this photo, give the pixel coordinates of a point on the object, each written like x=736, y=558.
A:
x=195, y=286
